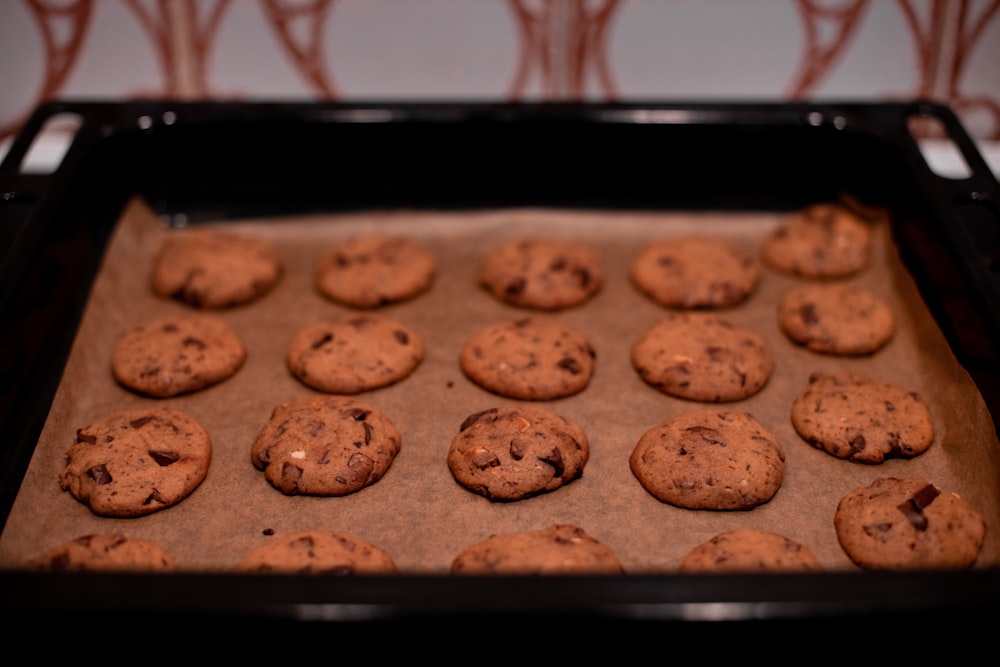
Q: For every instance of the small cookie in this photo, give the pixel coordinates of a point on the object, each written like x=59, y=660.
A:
x=355, y=353
x=540, y=273
x=177, y=354
x=325, y=446
x=318, y=552
x=820, y=241
x=112, y=551
x=558, y=549
x=908, y=523
x=530, y=358
x=749, y=550
x=214, y=269
x=702, y=357
x=136, y=462
x=694, y=272
x=836, y=318
x=709, y=459
x=374, y=270
x=518, y=452
x=861, y=418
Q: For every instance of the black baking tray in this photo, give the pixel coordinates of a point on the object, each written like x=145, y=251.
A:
x=194, y=161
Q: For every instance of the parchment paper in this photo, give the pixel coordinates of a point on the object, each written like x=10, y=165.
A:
x=417, y=512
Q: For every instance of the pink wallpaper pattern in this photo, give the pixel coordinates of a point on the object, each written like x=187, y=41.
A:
x=947, y=50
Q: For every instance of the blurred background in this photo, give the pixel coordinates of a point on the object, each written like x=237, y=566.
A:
x=526, y=50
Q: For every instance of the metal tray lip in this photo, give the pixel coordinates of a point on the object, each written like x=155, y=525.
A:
x=117, y=120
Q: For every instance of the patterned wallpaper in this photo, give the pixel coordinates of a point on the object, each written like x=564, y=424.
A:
x=529, y=50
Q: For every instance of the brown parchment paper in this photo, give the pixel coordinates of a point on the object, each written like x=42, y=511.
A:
x=417, y=512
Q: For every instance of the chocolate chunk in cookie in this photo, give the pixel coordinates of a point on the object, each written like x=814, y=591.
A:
x=908, y=523
x=530, y=358
x=710, y=459
x=836, y=318
x=517, y=452
x=325, y=446
x=373, y=270
x=177, y=354
x=556, y=550
x=355, y=353
x=209, y=268
x=542, y=273
x=318, y=552
x=702, y=357
x=695, y=272
x=136, y=462
x=862, y=418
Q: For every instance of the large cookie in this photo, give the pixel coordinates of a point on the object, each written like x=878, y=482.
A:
x=318, y=552
x=702, y=357
x=542, y=273
x=908, y=523
x=517, y=452
x=107, y=551
x=709, y=459
x=821, y=241
x=750, y=550
x=214, y=269
x=559, y=549
x=862, y=418
x=325, y=446
x=355, y=353
x=177, y=354
x=694, y=272
x=136, y=462
x=836, y=318
x=373, y=270
x=530, y=358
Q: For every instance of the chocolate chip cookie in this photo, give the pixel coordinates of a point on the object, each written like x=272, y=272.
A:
x=208, y=268
x=177, y=354
x=555, y=550
x=355, y=353
x=861, y=418
x=373, y=270
x=136, y=462
x=318, y=552
x=530, y=358
x=517, y=452
x=542, y=273
x=709, y=459
x=821, y=241
x=695, y=272
x=325, y=446
x=110, y=551
x=908, y=523
x=750, y=550
x=702, y=357
x=836, y=318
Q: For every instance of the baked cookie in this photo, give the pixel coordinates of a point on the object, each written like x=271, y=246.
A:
x=177, y=354
x=559, y=549
x=373, y=270
x=517, y=452
x=110, y=551
x=209, y=268
x=136, y=462
x=542, y=273
x=530, y=358
x=702, y=357
x=709, y=459
x=836, y=318
x=325, y=446
x=318, y=552
x=908, y=523
x=355, y=353
x=750, y=550
x=820, y=241
x=861, y=418
x=694, y=272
